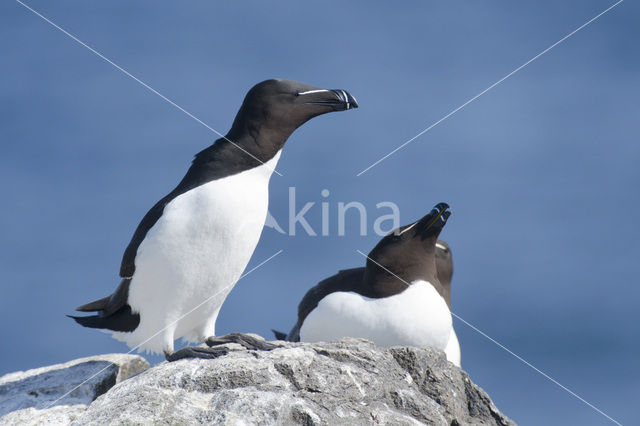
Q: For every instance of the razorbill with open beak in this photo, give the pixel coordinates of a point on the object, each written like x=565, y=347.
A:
x=401, y=297
x=195, y=242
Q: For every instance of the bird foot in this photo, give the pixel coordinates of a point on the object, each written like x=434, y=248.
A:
x=196, y=352
x=245, y=340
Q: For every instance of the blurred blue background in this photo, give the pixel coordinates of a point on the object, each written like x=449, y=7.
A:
x=542, y=172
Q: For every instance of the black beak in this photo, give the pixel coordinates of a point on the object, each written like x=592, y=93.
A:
x=434, y=221
x=345, y=97
x=338, y=99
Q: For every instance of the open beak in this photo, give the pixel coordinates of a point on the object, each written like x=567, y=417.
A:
x=338, y=99
x=434, y=221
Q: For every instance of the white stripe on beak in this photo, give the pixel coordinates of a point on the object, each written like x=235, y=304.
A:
x=346, y=98
x=406, y=229
x=308, y=92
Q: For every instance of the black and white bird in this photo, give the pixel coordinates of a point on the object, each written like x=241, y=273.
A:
x=401, y=297
x=193, y=245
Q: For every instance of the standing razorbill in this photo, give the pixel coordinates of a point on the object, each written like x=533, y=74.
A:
x=401, y=297
x=195, y=242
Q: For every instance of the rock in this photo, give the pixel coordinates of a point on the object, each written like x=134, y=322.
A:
x=39, y=396
x=350, y=381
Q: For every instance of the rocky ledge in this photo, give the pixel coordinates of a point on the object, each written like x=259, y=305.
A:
x=350, y=381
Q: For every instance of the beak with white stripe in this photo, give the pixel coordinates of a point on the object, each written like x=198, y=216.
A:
x=336, y=99
x=408, y=253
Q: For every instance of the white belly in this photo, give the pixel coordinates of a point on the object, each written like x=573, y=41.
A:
x=418, y=316
x=195, y=253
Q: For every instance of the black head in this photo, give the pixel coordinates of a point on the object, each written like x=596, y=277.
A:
x=273, y=109
x=408, y=253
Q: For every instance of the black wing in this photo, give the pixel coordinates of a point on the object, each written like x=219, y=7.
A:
x=345, y=280
x=114, y=311
x=195, y=176
x=209, y=164
x=128, y=266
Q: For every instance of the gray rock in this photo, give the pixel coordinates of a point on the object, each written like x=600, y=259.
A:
x=346, y=382
x=56, y=394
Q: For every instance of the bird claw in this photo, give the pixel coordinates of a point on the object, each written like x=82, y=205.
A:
x=245, y=340
x=196, y=352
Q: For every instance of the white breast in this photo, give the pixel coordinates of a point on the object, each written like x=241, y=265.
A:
x=418, y=316
x=197, y=249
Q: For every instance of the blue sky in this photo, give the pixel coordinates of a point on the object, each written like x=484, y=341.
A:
x=541, y=172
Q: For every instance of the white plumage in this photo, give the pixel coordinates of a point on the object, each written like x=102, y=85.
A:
x=452, y=350
x=418, y=316
x=194, y=253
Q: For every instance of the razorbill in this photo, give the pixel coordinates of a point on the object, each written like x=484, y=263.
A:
x=195, y=242
x=401, y=297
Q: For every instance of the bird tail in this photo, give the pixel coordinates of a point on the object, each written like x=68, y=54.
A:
x=96, y=305
x=279, y=334
x=121, y=320
x=93, y=321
